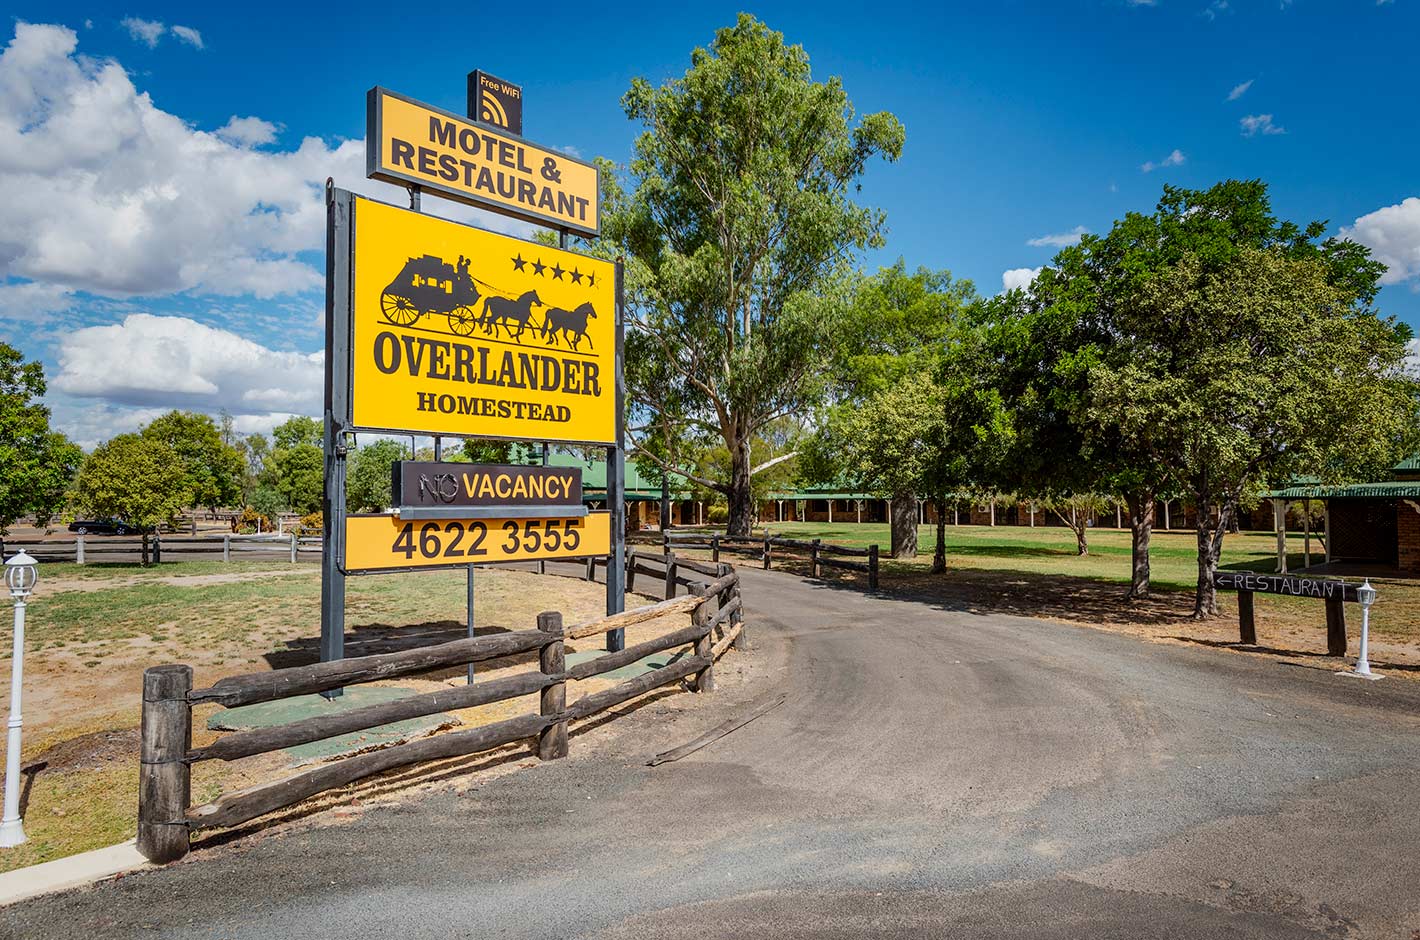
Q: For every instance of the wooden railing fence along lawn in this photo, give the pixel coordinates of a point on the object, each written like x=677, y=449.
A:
x=820, y=554
x=83, y=549
x=166, y=819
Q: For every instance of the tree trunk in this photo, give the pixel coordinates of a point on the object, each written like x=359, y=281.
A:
x=740, y=496
x=1141, y=529
x=1082, y=535
x=939, y=554
x=903, y=509
x=1210, y=550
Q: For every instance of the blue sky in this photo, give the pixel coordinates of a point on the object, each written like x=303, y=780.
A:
x=160, y=223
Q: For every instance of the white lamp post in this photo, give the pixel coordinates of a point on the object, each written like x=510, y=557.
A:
x=21, y=573
x=1366, y=595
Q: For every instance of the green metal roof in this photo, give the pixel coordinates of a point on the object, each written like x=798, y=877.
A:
x=1391, y=490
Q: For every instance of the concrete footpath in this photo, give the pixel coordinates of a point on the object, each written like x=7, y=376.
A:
x=933, y=772
x=71, y=872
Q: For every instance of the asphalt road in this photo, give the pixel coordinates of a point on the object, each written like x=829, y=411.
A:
x=932, y=773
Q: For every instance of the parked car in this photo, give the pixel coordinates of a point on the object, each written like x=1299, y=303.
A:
x=101, y=527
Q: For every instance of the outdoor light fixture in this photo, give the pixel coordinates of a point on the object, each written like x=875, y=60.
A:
x=1366, y=596
x=21, y=573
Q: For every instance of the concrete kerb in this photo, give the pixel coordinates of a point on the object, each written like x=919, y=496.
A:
x=73, y=871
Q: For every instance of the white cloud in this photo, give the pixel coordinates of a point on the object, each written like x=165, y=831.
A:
x=1060, y=239
x=1211, y=11
x=150, y=361
x=105, y=192
x=248, y=131
x=1239, y=90
x=188, y=35
x=1176, y=158
x=1018, y=278
x=1393, y=235
x=145, y=31
x=1254, y=124
x=32, y=300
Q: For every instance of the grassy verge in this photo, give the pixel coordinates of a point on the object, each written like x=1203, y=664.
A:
x=93, y=629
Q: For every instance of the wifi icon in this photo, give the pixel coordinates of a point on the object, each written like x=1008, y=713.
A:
x=495, y=102
x=491, y=110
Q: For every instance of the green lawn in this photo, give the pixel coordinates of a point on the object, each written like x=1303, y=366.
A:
x=1173, y=556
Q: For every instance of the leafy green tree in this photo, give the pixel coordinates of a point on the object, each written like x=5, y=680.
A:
x=1078, y=316
x=266, y=501
x=740, y=221
x=213, y=469
x=1252, y=374
x=295, y=465
x=896, y=330
x=481, y=451
x=367, y=484
x=138, y=479
x=37, y=464
x=297, y=430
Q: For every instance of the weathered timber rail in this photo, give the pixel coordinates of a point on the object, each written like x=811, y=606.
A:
x=88, y=549
x=166, y=818
x=1333, y=592
x=820, y=554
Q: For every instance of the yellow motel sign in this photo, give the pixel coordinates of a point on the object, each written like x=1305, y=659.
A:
x=409, y=143
x=386, y=542
x=463, y=332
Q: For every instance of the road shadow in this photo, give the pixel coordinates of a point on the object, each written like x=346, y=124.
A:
x=1293, y=653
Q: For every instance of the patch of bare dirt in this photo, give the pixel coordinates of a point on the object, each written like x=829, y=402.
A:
x=97, y=750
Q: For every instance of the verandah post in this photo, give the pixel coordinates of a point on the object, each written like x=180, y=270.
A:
x=164, y=778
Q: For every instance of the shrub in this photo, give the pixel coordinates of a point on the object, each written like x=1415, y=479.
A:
x=717, y=514
x=312, y=523
x=251, y=522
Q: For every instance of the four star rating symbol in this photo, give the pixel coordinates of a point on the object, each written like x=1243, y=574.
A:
x=520, y=263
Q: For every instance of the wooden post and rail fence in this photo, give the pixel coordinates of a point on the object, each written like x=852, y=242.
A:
x=820, y=554
x=166, y=818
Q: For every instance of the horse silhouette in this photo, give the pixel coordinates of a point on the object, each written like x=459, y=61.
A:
x=572, y=324
x=500, y=311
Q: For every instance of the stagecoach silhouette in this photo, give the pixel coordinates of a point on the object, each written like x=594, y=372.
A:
x=431, y=286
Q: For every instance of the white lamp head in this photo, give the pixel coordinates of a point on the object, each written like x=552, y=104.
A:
x=1366, y=594
x=21, y=573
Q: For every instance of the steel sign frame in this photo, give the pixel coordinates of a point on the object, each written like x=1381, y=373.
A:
x=374, y=145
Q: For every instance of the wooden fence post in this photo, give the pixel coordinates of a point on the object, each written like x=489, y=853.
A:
x=705, y=678
x=767, y=543
x=226, y=548
x=1335, y=626
x=164, y=778
x=79, y=550
x=552, y=660
x=145, y=549
x=872, y=567
x=630, y=569
x=715, y=548
x=293, y=546
x=670, y=574
x=813, y=559
x=1247, y=621
x=157, y=549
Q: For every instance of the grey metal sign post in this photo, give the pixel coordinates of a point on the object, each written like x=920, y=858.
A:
x=616, y=479
x=339, y=207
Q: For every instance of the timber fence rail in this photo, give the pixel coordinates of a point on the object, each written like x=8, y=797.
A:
x=85, y=549
x=820, y=554
x=166, y=818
